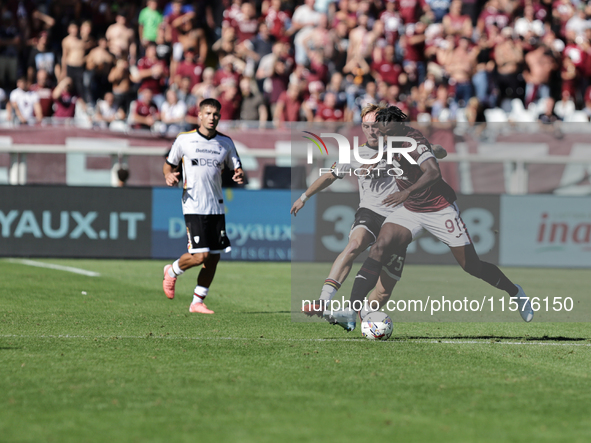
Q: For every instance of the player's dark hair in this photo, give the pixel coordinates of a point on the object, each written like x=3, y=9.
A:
x=390, y=114
x=123, y=174
x=210, y=102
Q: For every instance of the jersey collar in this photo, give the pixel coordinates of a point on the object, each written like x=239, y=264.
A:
x=205, y=136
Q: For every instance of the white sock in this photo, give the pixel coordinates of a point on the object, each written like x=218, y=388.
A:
x=175, y=270
x=330, y=289
x=200, y=294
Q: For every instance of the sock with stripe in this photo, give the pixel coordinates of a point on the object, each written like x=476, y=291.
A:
x=365, y=280
x=495, y=277
x=175, y=270
x=329, y=289
x=200, y=294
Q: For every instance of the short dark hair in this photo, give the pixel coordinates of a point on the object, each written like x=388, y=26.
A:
x=123, y=174
x=210, y=102
x=390, y=114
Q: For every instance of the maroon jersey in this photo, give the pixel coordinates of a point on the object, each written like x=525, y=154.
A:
x=156, y=85
x=45, y=99
x=143, y=110
x=329, y=114
x=192, y=70
x=434, y=198
x=65, y=105
x=389, y=71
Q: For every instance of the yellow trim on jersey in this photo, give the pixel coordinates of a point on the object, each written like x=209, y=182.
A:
x=188, y=132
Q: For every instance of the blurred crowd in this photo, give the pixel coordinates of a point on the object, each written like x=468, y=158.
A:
x=147, y=64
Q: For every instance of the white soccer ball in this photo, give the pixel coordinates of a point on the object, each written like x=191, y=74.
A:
x=377, y=326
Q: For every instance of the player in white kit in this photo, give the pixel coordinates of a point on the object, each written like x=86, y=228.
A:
x=370, y=216
x=203, y=154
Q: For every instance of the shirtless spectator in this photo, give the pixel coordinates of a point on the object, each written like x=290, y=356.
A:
x=73, y=57
x=207, y=88
x=99, y=62
x=359, y=40
x=508, y=56
x=44, y=91
x=24, y=103
x=121, y=38
x=460, y=67
x=120, y=79
x=65, y=99
x=190, y=35
x=151, y=74
x=145, y=113
x=107, y=111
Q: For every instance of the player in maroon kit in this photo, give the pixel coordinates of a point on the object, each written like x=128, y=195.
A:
x=428, y=203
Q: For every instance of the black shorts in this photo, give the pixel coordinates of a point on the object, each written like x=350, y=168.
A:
x=369, y=220
x=372, y=222
x=207, y=233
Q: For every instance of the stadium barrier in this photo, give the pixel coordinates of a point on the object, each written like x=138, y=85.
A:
x=62, y=221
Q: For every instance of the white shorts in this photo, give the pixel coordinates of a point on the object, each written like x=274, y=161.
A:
x=446, y=224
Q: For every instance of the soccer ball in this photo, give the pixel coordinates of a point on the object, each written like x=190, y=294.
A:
x=377, y=326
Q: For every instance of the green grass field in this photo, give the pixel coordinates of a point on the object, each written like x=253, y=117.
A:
x=110, y=359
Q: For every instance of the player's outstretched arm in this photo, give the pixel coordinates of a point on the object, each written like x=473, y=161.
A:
x=439, y=151
x=172, y=178
x=321, y=183
x=431, y=175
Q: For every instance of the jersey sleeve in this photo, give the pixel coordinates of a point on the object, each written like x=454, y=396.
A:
x=340, y=170
x=232, y=158
x=424, y=151
x=176, y=153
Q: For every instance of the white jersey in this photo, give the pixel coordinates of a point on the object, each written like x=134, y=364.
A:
x=25, y=102
x=203, y=160
x=373, y=188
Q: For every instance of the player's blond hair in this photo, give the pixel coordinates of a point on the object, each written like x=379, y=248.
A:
x=368, y=109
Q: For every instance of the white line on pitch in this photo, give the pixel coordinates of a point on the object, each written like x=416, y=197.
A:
x=434, y=341
x=58, y=267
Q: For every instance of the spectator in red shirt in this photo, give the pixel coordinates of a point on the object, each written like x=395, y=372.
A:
x=384, y=68
x=245, y=23
x=327, y=110
x=227, y=72
x=189, y=68
x=44, y=91
x=288, y=105
x=414, y=57
x=410, y=10
x=65, y=100
x=145, y=113
x=230, y=99
x=152, y=74
x=276, y=19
